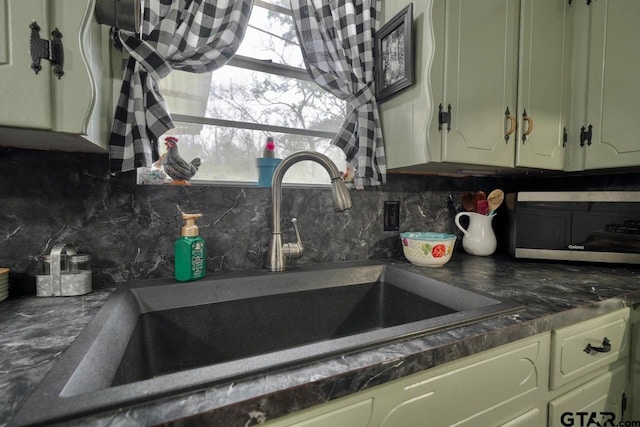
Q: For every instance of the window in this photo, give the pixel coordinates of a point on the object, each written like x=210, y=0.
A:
x=224, y=117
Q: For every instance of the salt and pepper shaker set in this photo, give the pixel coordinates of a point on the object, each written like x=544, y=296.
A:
x=64, y=273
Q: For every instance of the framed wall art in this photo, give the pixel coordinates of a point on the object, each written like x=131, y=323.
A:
x=394, y=54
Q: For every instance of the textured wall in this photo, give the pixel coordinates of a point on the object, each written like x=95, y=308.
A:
x=129, y=230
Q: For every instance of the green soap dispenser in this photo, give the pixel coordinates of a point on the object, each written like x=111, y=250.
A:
x=190, y=254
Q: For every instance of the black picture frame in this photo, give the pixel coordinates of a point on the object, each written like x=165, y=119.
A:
x=394, y=55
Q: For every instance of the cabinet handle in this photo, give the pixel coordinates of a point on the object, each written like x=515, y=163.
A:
x=50, y=50
x=606, y=347
x=529, y=120
x=512, y=125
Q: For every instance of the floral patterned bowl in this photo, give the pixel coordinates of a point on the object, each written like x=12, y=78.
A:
x=427, y=249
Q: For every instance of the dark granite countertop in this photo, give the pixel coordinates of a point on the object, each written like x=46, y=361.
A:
x=34, y=332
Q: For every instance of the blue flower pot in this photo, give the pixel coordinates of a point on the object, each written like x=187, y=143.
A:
x=266, y=167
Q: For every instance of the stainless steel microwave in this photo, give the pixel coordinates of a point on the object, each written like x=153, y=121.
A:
x=592, y=226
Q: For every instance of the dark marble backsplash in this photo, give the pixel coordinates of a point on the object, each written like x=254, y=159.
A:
x=129, y=230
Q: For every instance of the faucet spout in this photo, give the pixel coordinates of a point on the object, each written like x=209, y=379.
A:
x=278, y=253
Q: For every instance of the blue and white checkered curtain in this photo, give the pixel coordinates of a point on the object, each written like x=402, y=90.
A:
x=189, y=35
x=337, y=39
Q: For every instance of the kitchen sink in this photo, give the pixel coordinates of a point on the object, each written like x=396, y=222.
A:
x=156, y=338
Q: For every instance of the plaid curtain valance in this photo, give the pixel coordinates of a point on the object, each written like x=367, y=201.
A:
x=189, y=35
x=337, y=39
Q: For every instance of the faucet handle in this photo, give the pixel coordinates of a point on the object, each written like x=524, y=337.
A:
x=293, y=250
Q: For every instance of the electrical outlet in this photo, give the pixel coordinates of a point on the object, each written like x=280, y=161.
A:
x=391, y=216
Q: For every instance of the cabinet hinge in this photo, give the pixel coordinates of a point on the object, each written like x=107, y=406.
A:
x=565, y=137
x=586, y=135
x=50, y=50
x=588, y=2
x=444, y=117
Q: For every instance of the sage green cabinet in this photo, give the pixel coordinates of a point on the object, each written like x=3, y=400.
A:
x=466, y=58
x=508, y=88
x=408, y=116
x=533, y=418
x=606, y=90
x=543, y=83
x=591, y=381
x=532, y=382
x=561, y=75
x=71, y=112
x=502, y=386
x=569, y=358
x=586, y=404
x=353, y=415
x=480, y=81
x=21, y=87
x=479, y=67
x=491, y=388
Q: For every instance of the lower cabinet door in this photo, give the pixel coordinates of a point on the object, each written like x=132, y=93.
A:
x=490, y=388
x=356, y=414
x=598, y=402
x=532, y=418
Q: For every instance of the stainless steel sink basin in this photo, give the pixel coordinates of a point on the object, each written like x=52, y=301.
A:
x=156, y=338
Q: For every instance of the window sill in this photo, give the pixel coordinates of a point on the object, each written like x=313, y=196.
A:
x=244, y=184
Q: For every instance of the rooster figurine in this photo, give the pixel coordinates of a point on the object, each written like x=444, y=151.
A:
x=175, y=166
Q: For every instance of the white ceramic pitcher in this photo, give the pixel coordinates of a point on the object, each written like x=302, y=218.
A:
x=479, y=238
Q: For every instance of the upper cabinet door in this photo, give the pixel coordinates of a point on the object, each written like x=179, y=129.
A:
x=75, y=104
x=74, y=95
x=613, y=85
x=26, y=96
x=480, y=80
x=543, y=89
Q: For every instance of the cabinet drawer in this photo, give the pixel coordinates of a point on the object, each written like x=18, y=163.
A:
x=570, y=361
x=600, y=395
